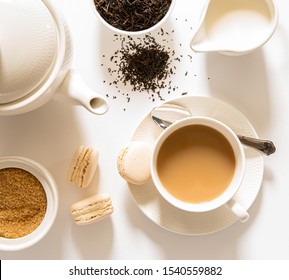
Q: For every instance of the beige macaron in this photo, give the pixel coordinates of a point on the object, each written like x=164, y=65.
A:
x=83, y=166
x=91, y=209
x=133, y=162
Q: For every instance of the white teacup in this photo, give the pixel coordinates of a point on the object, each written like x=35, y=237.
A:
x=198, y=165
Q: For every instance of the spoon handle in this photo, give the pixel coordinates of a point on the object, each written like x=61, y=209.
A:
x=265, y=146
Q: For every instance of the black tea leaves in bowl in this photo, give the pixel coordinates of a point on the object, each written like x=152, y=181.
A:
x=132, y=15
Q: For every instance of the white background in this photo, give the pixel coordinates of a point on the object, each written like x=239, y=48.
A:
x=257, y=84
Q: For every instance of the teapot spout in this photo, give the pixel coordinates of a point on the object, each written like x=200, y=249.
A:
x=76, y=92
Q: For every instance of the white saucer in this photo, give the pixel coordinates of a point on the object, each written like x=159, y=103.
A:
x=167, y=216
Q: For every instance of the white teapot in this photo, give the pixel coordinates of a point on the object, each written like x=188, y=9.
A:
x=35, y=59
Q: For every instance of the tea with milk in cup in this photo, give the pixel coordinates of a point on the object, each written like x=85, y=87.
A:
x=196, y=163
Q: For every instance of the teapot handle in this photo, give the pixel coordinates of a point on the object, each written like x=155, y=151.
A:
x=75, y=91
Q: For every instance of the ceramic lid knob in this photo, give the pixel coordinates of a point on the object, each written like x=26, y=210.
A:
x=28, y=47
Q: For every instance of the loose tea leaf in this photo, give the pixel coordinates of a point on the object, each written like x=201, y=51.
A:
x=132, y=15
x=144, y=64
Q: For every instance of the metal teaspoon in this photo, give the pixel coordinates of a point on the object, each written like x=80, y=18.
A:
x=265, y=146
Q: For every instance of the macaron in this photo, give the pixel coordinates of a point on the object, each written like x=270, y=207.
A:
x=133, y=162
x=91, y=209
x=83, y=166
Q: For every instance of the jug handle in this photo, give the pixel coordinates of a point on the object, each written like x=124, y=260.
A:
x=76, y=92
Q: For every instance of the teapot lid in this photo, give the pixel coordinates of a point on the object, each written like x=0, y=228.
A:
x=28, y=47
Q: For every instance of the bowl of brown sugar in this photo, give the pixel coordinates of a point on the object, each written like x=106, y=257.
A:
x=29, y=202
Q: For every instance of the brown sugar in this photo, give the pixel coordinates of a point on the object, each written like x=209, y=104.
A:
x=23, y=203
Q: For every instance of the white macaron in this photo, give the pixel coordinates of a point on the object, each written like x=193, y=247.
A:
x=83, y=166
x=91, y=209
x=133, y=162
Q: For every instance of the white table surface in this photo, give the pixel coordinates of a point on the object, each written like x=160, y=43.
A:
x=256, y=84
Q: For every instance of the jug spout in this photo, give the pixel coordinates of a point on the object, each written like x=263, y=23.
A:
x=201, y=44
x=201, y=41
x=75, y=91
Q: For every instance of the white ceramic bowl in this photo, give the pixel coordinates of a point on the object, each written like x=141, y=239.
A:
x=123, y=32
x=49, y=185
